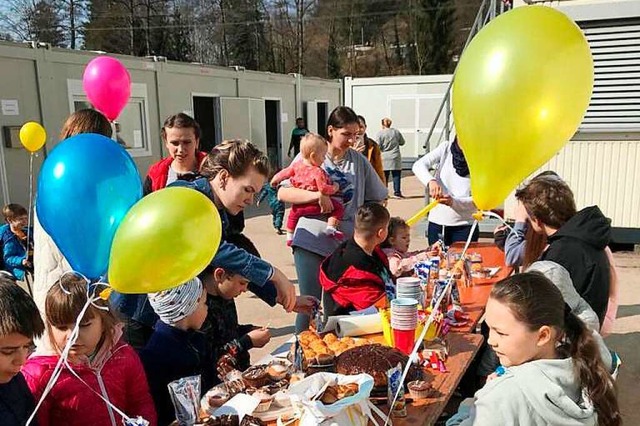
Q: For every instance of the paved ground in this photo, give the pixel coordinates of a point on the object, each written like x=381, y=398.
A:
x=625, y=339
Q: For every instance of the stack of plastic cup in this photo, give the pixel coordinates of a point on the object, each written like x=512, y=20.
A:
x=409, y=288
x=404, y=320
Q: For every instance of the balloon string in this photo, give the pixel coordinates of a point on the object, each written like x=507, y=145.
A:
x=70, y=341
x=106, y=400
x=434, y=311
x=30, y=216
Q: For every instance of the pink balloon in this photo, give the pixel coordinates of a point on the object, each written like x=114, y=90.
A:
x=108, y=85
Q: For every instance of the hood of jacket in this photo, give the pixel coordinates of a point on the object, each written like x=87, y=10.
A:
x=551, y=389
x=588, y=225
x=104, y=353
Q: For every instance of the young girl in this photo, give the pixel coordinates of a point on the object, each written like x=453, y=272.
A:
x=309, y=175
x=396, y=247
x=102, y=365
x=552, y=372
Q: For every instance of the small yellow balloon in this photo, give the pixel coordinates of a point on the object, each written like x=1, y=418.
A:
x=32, y=136
x=520, y=92
x=166, y=239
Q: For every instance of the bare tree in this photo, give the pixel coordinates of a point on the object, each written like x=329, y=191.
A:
x=35, y=20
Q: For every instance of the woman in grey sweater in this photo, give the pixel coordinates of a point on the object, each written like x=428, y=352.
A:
x=390, y=141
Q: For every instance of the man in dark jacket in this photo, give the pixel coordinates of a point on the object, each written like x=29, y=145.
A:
x=577, y=239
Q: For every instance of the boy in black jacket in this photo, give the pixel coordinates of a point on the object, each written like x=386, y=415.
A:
x=577, y=239
x=20, y=322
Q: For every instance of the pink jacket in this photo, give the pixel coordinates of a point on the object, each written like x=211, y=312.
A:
x=115, y=372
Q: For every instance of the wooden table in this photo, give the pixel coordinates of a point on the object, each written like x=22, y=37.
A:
x=462, y=349
x=474, y=298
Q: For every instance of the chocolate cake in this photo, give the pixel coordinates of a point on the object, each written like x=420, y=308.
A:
x=375, y=360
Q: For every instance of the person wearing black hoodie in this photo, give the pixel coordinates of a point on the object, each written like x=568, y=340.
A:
x=576, y=239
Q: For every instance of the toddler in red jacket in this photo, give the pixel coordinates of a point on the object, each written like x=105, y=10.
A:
x=100, y=366
x=357, y=274
x=309, y=175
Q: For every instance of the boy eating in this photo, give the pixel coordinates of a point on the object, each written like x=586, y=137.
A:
x=20, y=322
x=357, y=274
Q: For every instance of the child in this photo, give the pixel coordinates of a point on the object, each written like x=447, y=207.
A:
x=277, y=207
x=15, y=247
x=176, y=348
x=20, y=322
x=552, y=374
x=576, y=239
x=99, y=363
x=357, y=274
x=396, y=247
x=309, y=175
x=224, y=334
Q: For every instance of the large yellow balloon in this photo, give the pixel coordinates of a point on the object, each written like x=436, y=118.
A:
x=166, y=239
x=520, y=92
x=32, y=136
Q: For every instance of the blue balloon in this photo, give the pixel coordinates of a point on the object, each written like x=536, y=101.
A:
x=85, y=188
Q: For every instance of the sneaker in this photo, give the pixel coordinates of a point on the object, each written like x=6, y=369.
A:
x=398, y=196
x=279, y=231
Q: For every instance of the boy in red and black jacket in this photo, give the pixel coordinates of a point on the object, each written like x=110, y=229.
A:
x=357, y=274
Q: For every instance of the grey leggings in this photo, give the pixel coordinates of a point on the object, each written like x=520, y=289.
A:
x=308, y=270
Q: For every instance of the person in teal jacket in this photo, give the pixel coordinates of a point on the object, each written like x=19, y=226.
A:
x=17, y=241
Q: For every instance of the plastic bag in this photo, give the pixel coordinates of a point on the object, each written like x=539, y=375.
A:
x=354, y=410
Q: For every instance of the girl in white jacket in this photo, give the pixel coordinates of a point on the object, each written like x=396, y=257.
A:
x=552, y=373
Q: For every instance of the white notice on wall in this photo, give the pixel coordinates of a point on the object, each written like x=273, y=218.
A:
x=284, y=117
x=137, y=138
x=10, y=107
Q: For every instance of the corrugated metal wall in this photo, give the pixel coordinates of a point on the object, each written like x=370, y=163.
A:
x=606, y=173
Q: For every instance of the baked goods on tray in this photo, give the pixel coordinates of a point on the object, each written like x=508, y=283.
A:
x=320, y=352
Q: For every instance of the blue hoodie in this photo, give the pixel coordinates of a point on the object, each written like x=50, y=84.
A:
x=13, y=252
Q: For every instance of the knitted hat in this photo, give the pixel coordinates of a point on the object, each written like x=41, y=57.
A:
x=176, y=303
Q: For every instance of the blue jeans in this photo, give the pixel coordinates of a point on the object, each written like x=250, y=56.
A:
x=396, y=180
x=308, y=271
x=451, y=235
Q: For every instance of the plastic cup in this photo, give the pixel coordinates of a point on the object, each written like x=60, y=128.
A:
x=404, y=340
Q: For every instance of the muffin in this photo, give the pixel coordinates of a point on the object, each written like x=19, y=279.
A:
x=419, y=389
x=277, y=371
x=330, y=338
x=256, y=376
x=324, y=359
x=217, y=396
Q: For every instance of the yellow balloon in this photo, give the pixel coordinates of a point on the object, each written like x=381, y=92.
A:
x=166, y=239
x=32, y=136
x=520, y=92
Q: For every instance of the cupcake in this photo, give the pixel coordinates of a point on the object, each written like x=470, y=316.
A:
x=217, y=396
x=277, y=371
x=419, y=389
x=256, y=376
x=265, y=401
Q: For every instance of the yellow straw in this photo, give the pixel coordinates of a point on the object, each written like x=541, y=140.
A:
x=422, y=213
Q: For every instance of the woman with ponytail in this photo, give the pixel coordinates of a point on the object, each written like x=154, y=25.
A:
x=551, y=372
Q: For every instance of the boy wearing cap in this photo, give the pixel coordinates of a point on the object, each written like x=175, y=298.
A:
x=176, y=348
